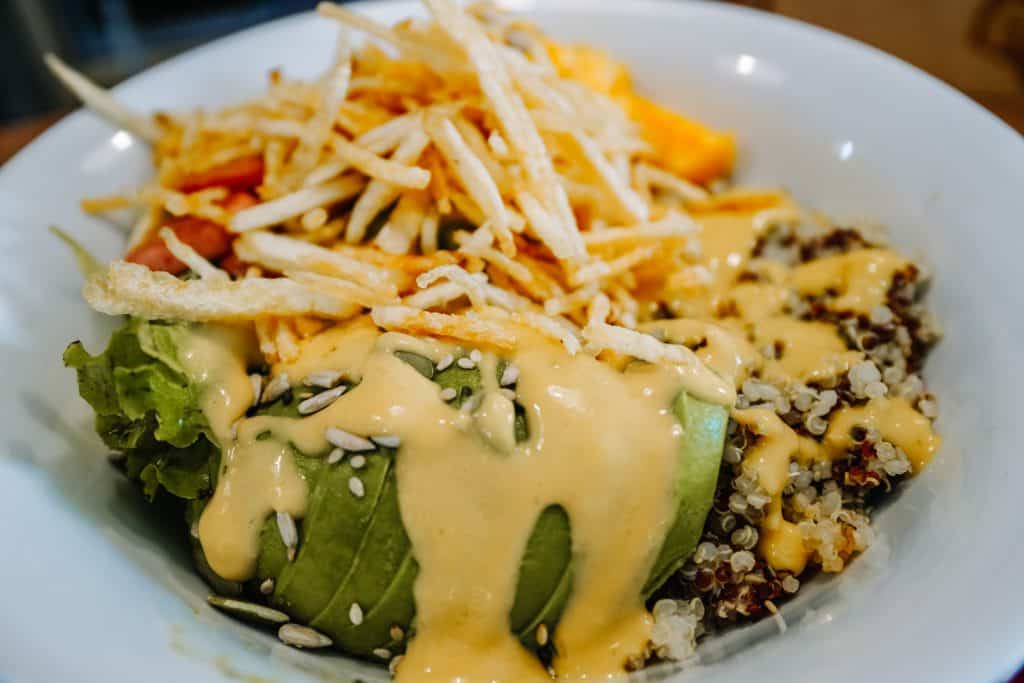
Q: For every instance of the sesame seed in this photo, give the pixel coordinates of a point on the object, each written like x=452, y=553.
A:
x=387, y=441
x=448, y=394
x=445, y=362
x=275, y=388
x=348, y=441
x=476, y=356
x=250, y=611
x=335, y=456
x=267, y=587
x=257, y=387
x=466, y=363
x=382, y=652
x=471, y=403
x=326, y=379
x=509, y=376
x=355, y=485
x=289, y=534
x=302, y=636
x=396, y=632
x=321, y=400
x=542, y=635
x=357, y=462
x=355, y=614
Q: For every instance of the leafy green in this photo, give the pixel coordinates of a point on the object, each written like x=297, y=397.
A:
x=352, y=550
x=146, y=407
x=87, y=264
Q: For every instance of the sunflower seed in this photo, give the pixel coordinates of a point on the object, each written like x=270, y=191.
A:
x=509, y=376
x=357, y=462
x=335, y=456
x=249, y=611
x=542, y=635
x=466, y=363
x=476, y=356
x=275, y=388
x=387, y=441
x=393, y=664
x=302, y=637
x=445, y=362
x=355, y=485
x=382, y=652
x=267, y=587
x=257, y=387
x=448, y=394
x=289, y=534
x=325, y=379
x=348, y=441
x=355, y=614
x=321, y=400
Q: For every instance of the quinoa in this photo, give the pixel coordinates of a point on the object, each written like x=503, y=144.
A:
x=727, y=582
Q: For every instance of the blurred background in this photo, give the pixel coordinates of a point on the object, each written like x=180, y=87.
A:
x=976, y=45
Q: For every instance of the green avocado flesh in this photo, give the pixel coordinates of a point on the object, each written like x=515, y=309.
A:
x=351, y=550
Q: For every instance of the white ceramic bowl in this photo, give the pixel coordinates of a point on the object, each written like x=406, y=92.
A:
x=89, y=590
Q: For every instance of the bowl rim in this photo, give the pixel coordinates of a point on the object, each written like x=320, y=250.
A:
x=1012, y=658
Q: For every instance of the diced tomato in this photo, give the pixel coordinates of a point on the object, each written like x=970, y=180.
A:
x=237, y=201
x=211, y=241
x=242, y=173
x=235, y=266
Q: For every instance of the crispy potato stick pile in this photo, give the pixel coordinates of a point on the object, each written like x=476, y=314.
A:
x=461, y=176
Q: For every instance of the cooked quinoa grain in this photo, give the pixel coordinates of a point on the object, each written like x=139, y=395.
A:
x=728, y=580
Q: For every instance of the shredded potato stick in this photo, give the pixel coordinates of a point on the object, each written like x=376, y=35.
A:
x=469, y=166
x=281, y=253
x=363, y=296
x=673, y=225
x=100, y=101
x=517, y=126
x=470, y=284
x=376, y=167
x=463, y=328
x=132, y=289
x=380, y=193
x=470, y=171
x=112, y=202
x=187, y=255
x=295, y=204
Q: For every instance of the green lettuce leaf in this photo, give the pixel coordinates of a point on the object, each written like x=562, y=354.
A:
x=147, y=408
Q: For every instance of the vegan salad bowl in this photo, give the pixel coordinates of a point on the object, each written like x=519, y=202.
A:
x=453, y=342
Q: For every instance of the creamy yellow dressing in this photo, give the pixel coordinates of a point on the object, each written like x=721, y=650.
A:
x=603, y=444
x=895, y=419
x=767, y=461
x=861, y=278
x=811, y=352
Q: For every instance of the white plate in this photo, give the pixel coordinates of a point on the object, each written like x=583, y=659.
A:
x=89, y=591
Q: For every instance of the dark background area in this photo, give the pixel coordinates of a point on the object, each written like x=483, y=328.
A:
x=975, y=45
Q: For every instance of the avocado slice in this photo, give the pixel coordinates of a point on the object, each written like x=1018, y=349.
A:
x=355, y=550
